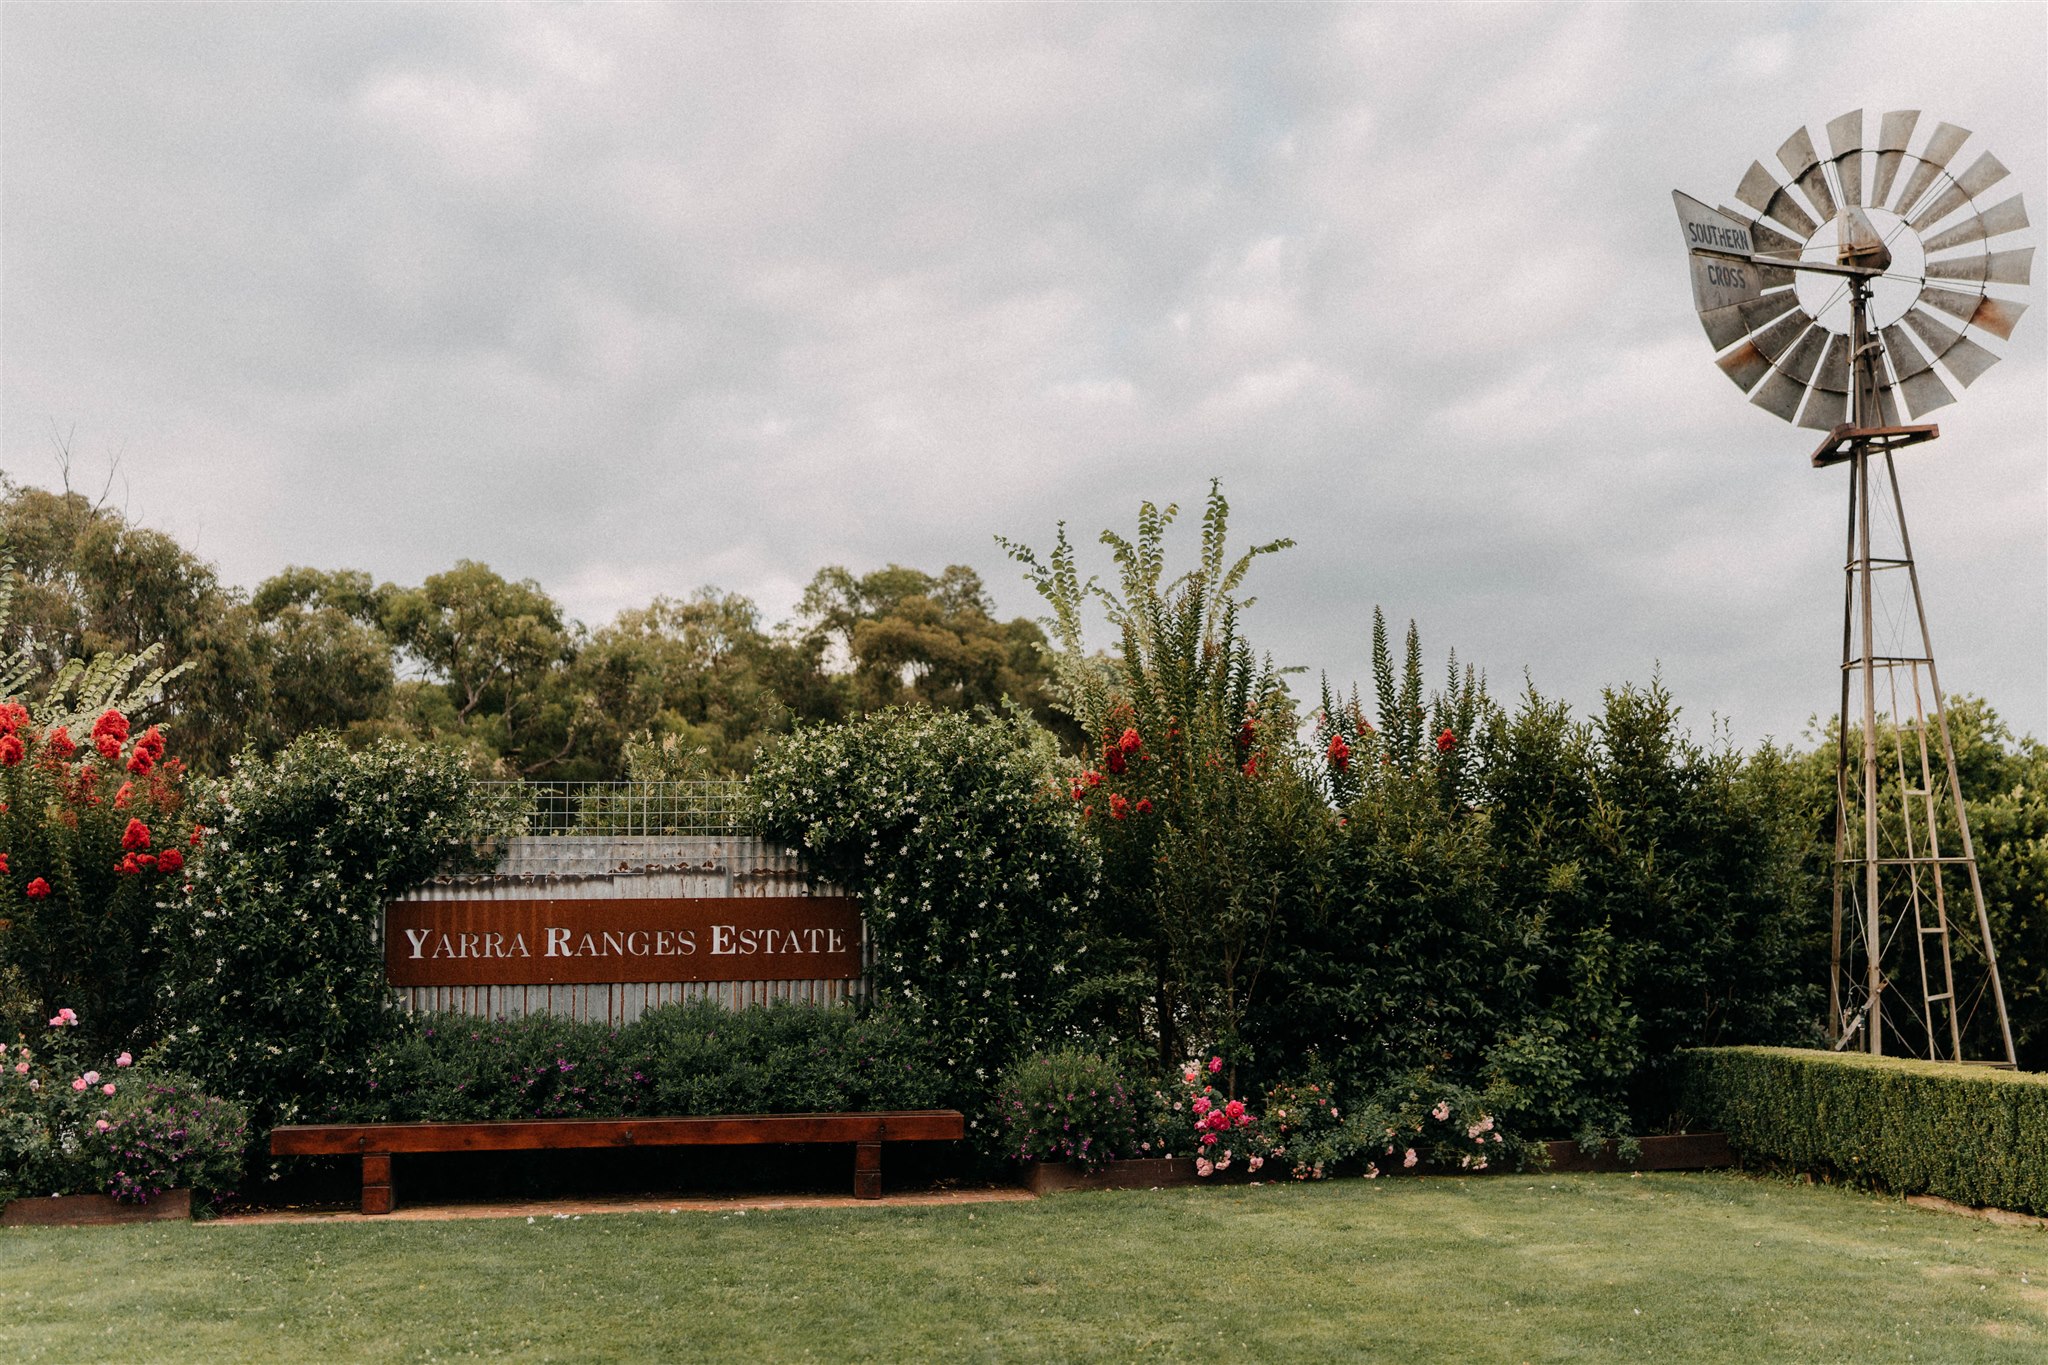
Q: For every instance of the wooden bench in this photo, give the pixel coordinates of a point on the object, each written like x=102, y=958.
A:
x=376, y=1143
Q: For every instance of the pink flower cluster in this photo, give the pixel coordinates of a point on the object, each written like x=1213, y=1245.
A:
x=1220, y=1122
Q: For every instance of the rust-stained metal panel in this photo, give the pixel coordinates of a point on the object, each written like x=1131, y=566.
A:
x=1895, y=130
x=1845, y=140
x=2009, y=216
x=1952, y=302
x=1997, y=316
x=1745, y=365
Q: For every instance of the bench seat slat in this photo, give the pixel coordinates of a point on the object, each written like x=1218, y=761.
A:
x=499, y=1135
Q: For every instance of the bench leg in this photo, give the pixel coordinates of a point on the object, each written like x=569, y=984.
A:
x=377, y=1182
x=867, y=1170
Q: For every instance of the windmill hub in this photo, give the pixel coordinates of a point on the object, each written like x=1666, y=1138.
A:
x=1825, y=298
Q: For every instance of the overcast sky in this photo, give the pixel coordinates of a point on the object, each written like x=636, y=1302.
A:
x=630, y=299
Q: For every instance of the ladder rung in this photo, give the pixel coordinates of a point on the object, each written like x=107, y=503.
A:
x=1933, y=929
x=1945, y=995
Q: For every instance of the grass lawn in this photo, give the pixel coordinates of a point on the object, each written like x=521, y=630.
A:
x=1661, y=1267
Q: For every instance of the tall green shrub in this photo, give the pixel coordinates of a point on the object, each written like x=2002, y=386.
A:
x=954, y=832
x=1208, y=817
x=274, y=984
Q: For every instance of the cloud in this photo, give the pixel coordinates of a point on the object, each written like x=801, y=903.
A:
x=634, y=298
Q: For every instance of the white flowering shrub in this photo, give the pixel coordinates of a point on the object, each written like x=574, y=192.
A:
x=274, y=979
x=955, y=832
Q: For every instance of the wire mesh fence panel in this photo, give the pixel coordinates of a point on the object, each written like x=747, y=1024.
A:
x=628, y=809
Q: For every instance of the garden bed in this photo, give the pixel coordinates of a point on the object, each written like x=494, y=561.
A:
x=1675, y=1152
x=78, y=1210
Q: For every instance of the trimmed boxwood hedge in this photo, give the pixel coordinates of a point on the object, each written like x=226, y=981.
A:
x=1971, y=1134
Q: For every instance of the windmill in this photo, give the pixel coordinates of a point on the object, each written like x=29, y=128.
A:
x=1851, y=286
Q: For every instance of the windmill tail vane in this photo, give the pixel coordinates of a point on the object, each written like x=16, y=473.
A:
x=1846, y=291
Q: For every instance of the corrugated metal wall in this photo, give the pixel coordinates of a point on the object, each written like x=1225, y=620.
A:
x=603, y=867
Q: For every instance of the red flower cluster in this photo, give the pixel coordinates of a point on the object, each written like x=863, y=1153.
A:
x=109, y=733
x=13, y=717
x=59, y=744
x=149, y=751
x=12, y=751
x=1339, y=753
x=135, y=838
x=170, y=860
x=1119, y=806
x=1446, y=742
x=38, y=889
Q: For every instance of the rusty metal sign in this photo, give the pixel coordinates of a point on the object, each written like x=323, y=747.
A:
x=1719, y=248
x=553, y=941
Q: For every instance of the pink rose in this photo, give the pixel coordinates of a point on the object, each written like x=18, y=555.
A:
x=78, y=1084
x=102, y=1125
x=107, y=1089
x=1234, y=1109
x=1215, y=1065
x=1442, y=1111
x=21, y=1068
x=1202, y=1166
x=124, y=1060
x=1408, y=1161
x=1201, y=1104
x=92, y=1078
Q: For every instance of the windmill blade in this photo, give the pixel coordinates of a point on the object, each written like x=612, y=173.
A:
x=1784, y=387
x=1776, y=341
x=1761, y=191
x=1895, y=130
x=1962, y=357
x=1997, y=316
x=1803, y=164
x=1998, y=267
x=1925, y=392
x=1745, y=365
x=1982, y=175
x=1995, y=221
x=1827, y=406
x=1946, y=141
x=1949, y=301
x=1725, y=326
x=1906, y=358
x=1918, y=384
x=1845, y=140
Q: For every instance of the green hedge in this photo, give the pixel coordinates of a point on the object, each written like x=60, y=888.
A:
x=1970, y=1134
